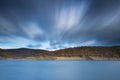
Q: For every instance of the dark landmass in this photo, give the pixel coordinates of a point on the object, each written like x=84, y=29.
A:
x=77, y=53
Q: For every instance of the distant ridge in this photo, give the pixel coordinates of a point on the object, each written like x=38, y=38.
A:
x=76, y=53
x=19, y=53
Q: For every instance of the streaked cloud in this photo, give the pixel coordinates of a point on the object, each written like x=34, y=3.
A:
x=32, y=30
x=58, y=24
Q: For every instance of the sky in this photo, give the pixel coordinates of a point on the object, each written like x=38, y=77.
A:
x=58, y=24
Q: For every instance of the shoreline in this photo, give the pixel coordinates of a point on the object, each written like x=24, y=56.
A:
x=63, y=58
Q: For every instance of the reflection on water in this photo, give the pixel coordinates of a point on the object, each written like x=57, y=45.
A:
x=59, y=70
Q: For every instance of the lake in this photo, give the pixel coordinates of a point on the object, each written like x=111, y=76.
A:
x=59, y=70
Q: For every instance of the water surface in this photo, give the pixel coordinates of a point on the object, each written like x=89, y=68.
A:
x=59, y=70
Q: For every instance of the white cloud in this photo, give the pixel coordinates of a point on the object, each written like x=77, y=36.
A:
x=32, y=30
x=71, y=16
x=45, y=45
x=88, y=43
x=15, y=42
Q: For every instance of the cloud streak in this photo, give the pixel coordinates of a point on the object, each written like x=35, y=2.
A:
x=58, y=24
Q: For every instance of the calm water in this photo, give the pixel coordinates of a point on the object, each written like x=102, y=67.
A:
x=59, y=70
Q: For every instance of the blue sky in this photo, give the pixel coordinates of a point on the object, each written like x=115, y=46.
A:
x=57, y=24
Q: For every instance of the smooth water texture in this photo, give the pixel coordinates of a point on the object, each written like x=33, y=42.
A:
x=59, y=70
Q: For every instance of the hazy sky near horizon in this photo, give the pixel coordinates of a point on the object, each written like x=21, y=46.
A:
x=56, y=24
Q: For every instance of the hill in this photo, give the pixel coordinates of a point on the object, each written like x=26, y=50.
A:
x=77, y=53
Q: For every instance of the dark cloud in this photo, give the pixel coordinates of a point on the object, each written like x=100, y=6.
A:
x=55, y=24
